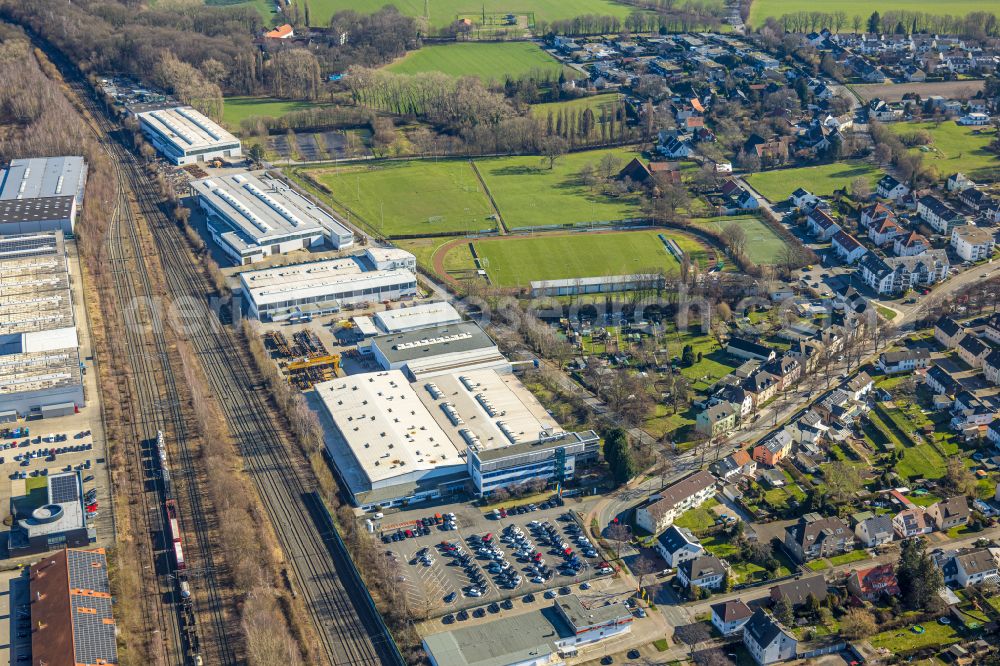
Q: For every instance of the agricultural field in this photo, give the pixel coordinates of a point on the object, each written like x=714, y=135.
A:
x=763, y=245
x=956, y=148
x=593, y=102
x=530, y=194
x=410, y=198
x=496, y=61
x=778, y=184
x=238, y=109
x=761, y=9
x=893, y=92
x=266, y=8
x=514, y=262
x=441, y=13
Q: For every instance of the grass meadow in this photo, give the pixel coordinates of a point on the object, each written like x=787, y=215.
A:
x=763, y=245
x=422, y=197
x=440, y=13
x=514, y=262
x=494, y=61
x=238, y=109
x=411, y=198
x=956, y=148
x=778, y=184
x=761, y=9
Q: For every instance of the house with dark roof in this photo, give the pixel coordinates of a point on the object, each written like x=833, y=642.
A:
x=971, y=567
x=797, y=591
x=705, y=570
x=949, y=513
x=815, y=536
x=767, y=640
x=786, y=368
x=717, y=419
x=940, y=216
x=906, y=360
x=743, y=348
x=762, y=385
x=992, y=329
x=948, y=332
x=872, y=583
x=847, y=247
x=730, y=616
x=874, y=530
x=940, y=381
x=991, y=367
x=890, y=188
x=821, y=224
x=678, y=544
x=973, y=351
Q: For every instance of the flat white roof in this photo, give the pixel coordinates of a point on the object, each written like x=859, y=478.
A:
x=417, y=316
x=315, y=279
x=187, y=129
x=261, y=209
x=34, y=284
x=494, y=410
x=389, y=431
x=380, y=254
x=39, y=177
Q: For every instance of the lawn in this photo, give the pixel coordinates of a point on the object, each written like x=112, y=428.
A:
x=460, y=258
x=906, y=640
x=763, y=245
x=761, y=9
x=237, y=109
x=410, y=198
x=494, y=61
x=513, y=262
x=699, y=519
x=848, y=557
x=956, y=148
x=778, y=184
x=530, y=194
x=266, y=8
x=444, y=12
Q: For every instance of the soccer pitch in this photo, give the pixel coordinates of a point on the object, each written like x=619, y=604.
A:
x=763, y=244
x=515, y=262
x=411, y=198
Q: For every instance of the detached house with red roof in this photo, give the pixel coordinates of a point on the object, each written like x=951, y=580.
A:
x=281, y=32
x=870, y=584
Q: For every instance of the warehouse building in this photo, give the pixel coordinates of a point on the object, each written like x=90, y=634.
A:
x=48, y=517
x=40, y=371
x=417, y=317
x=388, y=258
x=186, y=136
x=386, y=445
x=252, y=217
x=322, y=287
x=41, y=194
x=428, y=352
x=72, y=618
x=476, y=430
x=544, y=636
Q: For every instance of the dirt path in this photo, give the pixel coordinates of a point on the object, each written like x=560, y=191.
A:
x=437, y=259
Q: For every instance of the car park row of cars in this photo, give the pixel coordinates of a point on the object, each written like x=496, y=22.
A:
x=422, y=527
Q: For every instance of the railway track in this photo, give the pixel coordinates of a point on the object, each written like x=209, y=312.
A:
x=196, y=626
x=349, y=628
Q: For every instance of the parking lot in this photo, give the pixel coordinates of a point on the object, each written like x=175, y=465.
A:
x=484, y=560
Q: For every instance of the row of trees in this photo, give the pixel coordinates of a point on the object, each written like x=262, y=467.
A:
x=890, y=148
x=978, y=25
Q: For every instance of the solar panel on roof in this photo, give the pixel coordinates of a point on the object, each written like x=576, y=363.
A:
x=93, y=630
x=87, y=571
x=64, y=489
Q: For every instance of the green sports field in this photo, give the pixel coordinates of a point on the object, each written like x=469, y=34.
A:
x=514, y=262
x=423, y=197
x=761, y=9
x=495, y=61
x=529, y=194
x=956, y=148
x=593, y=102
x=410, y=198
x=778, y=184
x=763, y=244
x=444, y=12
